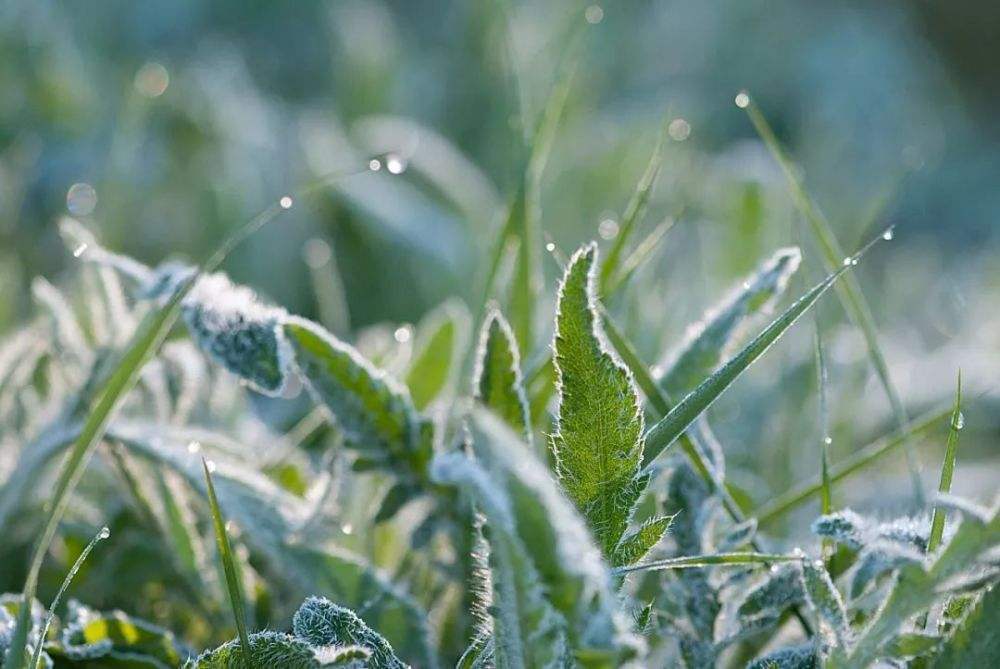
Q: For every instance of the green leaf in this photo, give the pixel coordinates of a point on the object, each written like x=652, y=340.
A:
x=322, y=623
x=803, y=656
x=441, y=337
x=522, y=495
x=499, y=385
x=947, y=468
x=913, y=644
x=598, y=442
x=698, y=561
x=708, y=342
x=115, y=639
x=825, y=600
x=634, y=546
x=666, y=431
x=236, y=598
x=274, y=649
x=372, y=409
x=976, y=640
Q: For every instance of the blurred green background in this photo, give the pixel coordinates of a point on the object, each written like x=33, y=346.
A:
x=164, y=125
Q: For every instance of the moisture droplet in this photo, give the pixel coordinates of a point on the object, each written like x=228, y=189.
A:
x=746, y=285
x=742, y=100
x=959, y=421
x=81, y=199
x=797, y=552
x=374, y=164
x=286, y=202
x=229, y=527
x=774, y=569
x=818, y=564
x=152, y=80
x=402, y=334
x=80, y=250
x=550, y=247
x=211, y=466
x=347, y=528
x=854, y=261
x=194, y=447
x=104, y=533
x=594, y=14
x=607, y=228
x=888, y=235
x=827, y=440
x=395, y=164
x=316, y=252
x=679, y=130
x=848, y=261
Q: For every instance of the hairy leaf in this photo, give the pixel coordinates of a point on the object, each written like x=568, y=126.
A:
x=598, y=443
x=499, y=385
x=976, y=640
x=441, y=337
x=322, y=623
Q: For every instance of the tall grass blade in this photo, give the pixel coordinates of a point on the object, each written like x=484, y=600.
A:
x=634, y=211
x=36, y=657
x=826, y=494
x=861, y=459
x=849, y=291
x=947, y=468
x=229, y=566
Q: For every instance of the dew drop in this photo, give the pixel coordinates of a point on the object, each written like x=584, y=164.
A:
x=80, y=250
x=679, y=130
x=818, y=564
x=959, y=421
x=151, y=80
x=746, y=285
x=347, y=528
x=194, y=447
x=827, y=440
x=742, y=100
x=594, y=14
x=395, y=164
x=774, y=569
x=550, y=247
x=847, y=262
x=797, y=552
x=402, y=334
x=211, y=466
x=374, y=164
x=854, y=261
x=229, y=527
x=81, y=199
x=888, y=235
x=104, y=533
x=316, y=252
x=608, y=228
x=285, y=202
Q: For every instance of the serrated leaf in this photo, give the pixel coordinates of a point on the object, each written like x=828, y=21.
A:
x=598, y=443
x=270, y=649
x=707, y=343
x=322, y=623
x=499, y=385
x=373, y=411
x=441, y=337
x=976, y=640
x=634, y=546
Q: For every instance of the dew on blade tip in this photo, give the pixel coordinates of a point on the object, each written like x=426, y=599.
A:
x=742, y=100
x=104, y=533
x=285, y=202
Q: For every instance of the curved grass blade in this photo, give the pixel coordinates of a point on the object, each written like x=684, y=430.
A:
x=849, y=291
x=634, y=211
x=947, y=468
x=229, y=566
x=697, y=561
x=860, y=460
x=36, y=657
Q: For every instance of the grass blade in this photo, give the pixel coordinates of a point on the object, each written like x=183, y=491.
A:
x=696, y=561
x=229, y=566
x=947, y=468
x=634, y=211
x=826, y=494
x=36, y=657
x=857, y=462
x=642, y=251
x=848, y=291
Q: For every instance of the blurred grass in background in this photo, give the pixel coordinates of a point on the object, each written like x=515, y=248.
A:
x=165, y=125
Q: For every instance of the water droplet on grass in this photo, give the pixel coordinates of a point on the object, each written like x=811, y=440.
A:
x=395, y=164
x=374, y=164
x=607, y=228
x=347, y=528
x=679, y=130
x=80, y=250
x=151, y=80
x=194, y=447
x=81, y=199
x=742, y=100
x=550, y=247
x=285, y=202
x=888, y=235
x=104, y=533
x=402, y=334
x=959, y=421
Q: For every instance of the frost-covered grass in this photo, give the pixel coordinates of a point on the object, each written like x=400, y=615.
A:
x=472, y=491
